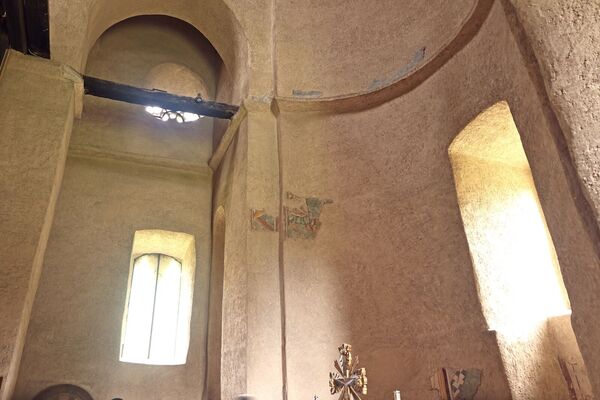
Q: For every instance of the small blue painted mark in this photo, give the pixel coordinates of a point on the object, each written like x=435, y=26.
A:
x=310, y=94
x=401, y=73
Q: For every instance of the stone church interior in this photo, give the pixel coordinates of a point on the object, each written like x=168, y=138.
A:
x=300, y=200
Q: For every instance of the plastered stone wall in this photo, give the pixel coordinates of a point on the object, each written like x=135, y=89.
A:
x=74, y=335
x=131, y=50
x=390, y=270
x=564, y=36
x=113, y=129
x=229, y=25
x=37, y=105
x=265, y=358
x=509, y=250
x=128, y=53
x=127, y=171
x=215, y=303
x=377, y=44
x=231, y=334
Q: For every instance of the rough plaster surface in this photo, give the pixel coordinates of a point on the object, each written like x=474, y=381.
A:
x=228, y=25
x=107, y=131
x=161, y=198
x=506, y=257
x=251, y=314
x=113, y=127
x=131, y=51
x=230, y=193
x=84, y=284
x=565, y=37
x=36, y=113
x=377, y=43
x=265, y=375
x=215, y=303
x=391, y=249
x=565, y=341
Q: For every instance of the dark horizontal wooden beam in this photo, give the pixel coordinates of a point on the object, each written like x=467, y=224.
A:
x=145, y=97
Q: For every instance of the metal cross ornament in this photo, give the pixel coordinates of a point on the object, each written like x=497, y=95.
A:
x=349, y=380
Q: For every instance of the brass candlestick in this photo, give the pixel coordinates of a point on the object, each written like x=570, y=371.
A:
x=349, y=380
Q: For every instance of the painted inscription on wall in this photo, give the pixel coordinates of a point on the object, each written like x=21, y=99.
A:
x=302, y=216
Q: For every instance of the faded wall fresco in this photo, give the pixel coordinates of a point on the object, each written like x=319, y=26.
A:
x=261, y=221
x=456, y=383
x=302, y=216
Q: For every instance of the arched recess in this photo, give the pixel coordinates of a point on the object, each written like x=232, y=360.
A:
x=517, y=271
x=178, y=79
x=213, y=381
x=74, y=33
x=158, y=51
x=153, y=51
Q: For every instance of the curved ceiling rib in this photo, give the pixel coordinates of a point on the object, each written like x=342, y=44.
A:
x=368, y=99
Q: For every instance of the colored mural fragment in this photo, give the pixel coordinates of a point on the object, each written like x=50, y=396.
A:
x=576, y=380
x=456, y=384
x=464, y=383
x=302, y=216
x=261, y=221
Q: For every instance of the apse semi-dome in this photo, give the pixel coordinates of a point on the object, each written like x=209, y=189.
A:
x=337, y=48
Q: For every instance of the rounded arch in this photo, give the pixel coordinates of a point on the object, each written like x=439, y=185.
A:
x=177, y=79
x=74, y=33
x=156, y=51
x=61, y=391
x=516, y=267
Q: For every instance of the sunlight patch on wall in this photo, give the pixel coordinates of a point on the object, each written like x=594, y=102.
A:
x=520, y=285
x=515, y=262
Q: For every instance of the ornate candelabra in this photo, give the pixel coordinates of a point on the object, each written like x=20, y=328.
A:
x=349, y=380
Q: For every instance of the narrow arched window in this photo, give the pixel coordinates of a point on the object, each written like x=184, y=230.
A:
x=158, y=307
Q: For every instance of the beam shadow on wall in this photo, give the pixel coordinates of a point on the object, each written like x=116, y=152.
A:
x=519, y=281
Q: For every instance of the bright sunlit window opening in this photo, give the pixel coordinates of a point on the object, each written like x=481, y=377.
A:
x=168, y=115
x=156, y=322
x=515, y=262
